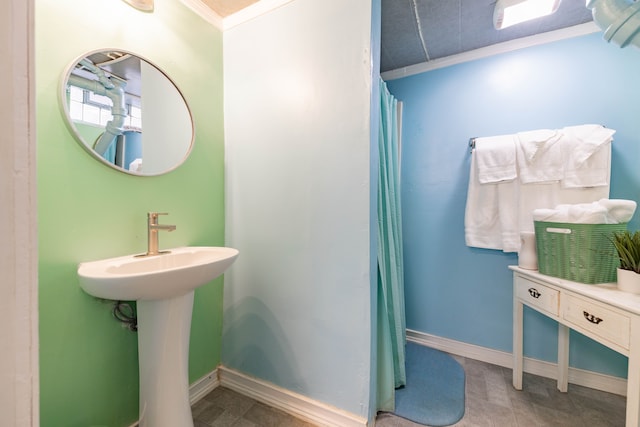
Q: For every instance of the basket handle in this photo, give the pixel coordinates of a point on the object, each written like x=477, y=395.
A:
x=558, y=230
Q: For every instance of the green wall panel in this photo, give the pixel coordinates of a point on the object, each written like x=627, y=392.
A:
x=87, y=211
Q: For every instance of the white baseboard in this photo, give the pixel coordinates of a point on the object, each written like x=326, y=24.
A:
x=203, y=386
x=541, y=368
x=288, y=401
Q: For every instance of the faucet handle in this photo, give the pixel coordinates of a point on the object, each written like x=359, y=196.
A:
x=156, y=214
x=152, y=217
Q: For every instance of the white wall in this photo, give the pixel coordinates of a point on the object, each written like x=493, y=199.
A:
x=297, y=125
x=18, y=253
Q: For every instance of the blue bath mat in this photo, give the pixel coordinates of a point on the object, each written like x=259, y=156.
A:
x=434, y=394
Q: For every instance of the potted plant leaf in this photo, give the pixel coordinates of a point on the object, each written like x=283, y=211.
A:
x=627, y=246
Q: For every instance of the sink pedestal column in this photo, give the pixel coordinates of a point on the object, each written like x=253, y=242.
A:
x=163, y=355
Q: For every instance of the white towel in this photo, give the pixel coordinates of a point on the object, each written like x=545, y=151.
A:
x=593, y=172
x=497, y=213
x=496, y=159
x=588, y=213
x=579, y=213
x=587, y=139
x=549, y=215
x=550, y=195
x=587, y=155
x=604, y=211
x=620, y=210
x=491, y=214
x=546, y=164
x=536, y=142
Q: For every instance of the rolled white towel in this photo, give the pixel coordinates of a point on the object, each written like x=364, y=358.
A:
x=619, y=210
x=588, y=213
x=579, y=213
x=550, y=215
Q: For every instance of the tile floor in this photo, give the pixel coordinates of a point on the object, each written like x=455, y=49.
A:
x=226, y=408
x=491, y=401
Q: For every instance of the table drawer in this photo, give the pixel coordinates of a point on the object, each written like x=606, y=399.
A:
x=537, y=295
x=597, y=319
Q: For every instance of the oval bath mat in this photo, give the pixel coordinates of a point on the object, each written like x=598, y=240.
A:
x=434, y=393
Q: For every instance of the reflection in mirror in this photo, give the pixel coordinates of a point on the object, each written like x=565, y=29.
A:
x=127, y=113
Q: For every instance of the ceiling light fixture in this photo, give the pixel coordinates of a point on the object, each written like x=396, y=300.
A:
x=511, y=12
x=144, y=5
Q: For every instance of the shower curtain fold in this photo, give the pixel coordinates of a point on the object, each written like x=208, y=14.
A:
x=391, y=313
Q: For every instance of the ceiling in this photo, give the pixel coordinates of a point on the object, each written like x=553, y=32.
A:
x=418, y=31
x=449, y=27
x=227, y=7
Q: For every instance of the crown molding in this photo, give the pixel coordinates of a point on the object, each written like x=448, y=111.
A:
x=253, y=11
x=248, y=13
x=484, y=52
x=205, y=12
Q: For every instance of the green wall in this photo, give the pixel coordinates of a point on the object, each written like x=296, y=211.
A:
x=87, y=211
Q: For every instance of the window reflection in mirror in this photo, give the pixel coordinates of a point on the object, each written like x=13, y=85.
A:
x=127, y=113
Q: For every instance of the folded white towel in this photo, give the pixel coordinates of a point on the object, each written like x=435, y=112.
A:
x=587, y=152
x=496, y=159
x=501, y=207
x=491, y=217
x=547, y=164
x=536, y=142
x=586, y=140
x=593, y=172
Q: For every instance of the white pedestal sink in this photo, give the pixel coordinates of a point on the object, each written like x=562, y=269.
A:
x=163, y=286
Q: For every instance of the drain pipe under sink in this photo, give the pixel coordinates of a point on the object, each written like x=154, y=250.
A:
x=619, y=19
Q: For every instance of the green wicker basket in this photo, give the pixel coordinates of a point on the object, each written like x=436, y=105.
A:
x=579, y=252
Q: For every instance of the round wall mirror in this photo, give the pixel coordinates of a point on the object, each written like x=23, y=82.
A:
x=127, y=113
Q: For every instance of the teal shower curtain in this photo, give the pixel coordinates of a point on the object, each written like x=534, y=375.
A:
x=391, y=318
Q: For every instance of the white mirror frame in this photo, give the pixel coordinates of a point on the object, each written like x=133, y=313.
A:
x=160, y=133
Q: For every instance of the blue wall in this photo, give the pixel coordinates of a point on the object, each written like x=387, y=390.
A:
x=464, y=293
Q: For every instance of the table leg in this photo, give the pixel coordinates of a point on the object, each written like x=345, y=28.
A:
x=633, y=375
x=517, y=344
x=563, y=358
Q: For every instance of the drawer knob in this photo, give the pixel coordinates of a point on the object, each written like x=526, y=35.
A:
x=534, y=293
x=591, y=318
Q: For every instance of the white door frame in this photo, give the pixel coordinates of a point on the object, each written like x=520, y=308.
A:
x=19, y=395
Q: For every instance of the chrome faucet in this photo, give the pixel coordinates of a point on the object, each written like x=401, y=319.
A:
x=152, y=233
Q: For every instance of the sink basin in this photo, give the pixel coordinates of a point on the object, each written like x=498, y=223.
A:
x=169, y=275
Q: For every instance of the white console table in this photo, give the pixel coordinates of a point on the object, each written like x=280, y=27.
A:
x=601, y=312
